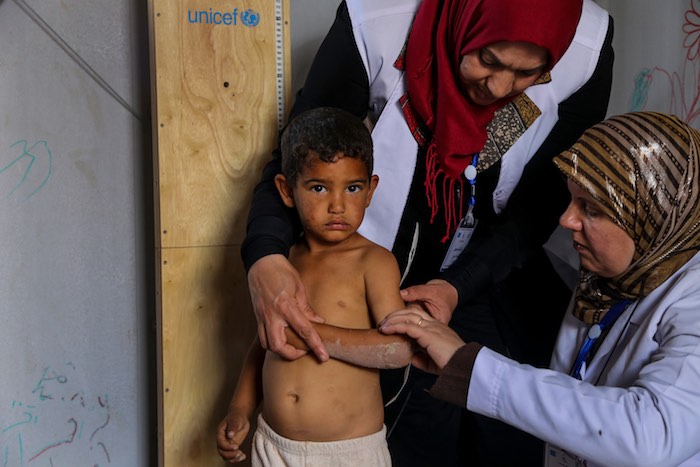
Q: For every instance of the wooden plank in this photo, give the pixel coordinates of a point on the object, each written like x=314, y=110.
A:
x=207, y=328
x=216, y=106
x=215, y=96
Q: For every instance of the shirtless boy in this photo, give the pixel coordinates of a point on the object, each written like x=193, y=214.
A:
x=325, y=413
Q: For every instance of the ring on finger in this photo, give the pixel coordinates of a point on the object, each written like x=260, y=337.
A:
x=420, y=321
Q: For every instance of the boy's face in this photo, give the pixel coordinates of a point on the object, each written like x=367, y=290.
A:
x=330, y=197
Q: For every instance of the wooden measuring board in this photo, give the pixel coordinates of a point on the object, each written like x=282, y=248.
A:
x=220, y=80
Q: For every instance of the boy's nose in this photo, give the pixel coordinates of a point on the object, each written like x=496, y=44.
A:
x=337, y=205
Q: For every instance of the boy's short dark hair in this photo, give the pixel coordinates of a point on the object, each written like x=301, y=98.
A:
x=324, y=132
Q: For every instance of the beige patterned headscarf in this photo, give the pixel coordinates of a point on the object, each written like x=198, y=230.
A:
x=643, y=168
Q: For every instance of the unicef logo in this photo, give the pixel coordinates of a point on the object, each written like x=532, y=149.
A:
x=250, y=18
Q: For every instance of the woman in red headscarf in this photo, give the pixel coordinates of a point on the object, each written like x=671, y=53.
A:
x=468, y=101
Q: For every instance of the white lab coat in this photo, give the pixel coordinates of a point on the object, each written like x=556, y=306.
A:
x=639, y=401
x=380, y=29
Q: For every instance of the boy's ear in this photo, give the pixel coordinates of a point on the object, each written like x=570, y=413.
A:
x=285, y=190
x=373, y=181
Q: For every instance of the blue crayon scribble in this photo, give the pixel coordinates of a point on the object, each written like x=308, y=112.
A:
x=52, y=426
x=682, y=86
x=28, y=172
x=641, y=90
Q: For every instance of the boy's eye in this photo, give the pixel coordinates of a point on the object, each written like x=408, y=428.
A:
x=318, y=188
x=354, y=188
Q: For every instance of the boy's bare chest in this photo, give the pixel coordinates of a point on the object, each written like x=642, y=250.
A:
x=336, y=291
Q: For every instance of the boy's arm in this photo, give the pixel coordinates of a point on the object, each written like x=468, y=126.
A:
x=368, y=347
x=233, y=429
x=248, y=393
x=363, y=347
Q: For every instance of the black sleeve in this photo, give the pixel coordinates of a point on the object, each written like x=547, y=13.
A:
x=337, y=78
x=541, y=196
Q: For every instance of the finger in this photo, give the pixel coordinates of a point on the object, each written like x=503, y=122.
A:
x=306, y=331
x=231, y=438
x=411, y=314
x=222, y=440
x=232, y=456
x=412, y=294
x=262, y=335
x=301, y=325
x=309, y=312
x=224, y=435
x=278, y=341
x=314, y=341
x=402, y=325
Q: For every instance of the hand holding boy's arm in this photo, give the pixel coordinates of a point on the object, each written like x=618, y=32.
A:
x=438, y=297
x=279, y=300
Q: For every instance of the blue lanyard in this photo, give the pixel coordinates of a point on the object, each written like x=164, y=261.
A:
x=594, y=332
x=471, y=178
x=470, y=174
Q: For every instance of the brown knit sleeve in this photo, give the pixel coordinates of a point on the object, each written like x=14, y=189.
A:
x=453, y=383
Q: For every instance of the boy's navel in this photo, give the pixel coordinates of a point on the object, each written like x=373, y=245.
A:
x=294, y=396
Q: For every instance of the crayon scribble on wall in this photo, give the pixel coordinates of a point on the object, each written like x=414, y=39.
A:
x=683, y=86
x=57, y=423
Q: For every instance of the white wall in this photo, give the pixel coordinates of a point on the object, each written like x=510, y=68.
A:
x=74, y=299
x=310, y=21
x=656, y=62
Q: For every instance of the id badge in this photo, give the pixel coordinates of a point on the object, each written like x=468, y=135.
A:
x=459, y=241
x=557, y=457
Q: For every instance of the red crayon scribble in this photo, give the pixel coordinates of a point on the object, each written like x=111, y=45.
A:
x=684, y=85
x=60, y=443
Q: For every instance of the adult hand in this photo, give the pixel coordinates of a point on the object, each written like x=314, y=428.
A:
x=437, y=339
x=279, y=300
x=438, y=297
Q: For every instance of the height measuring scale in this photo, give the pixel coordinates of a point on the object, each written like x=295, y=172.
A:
x=220, y=85
x=279, y=63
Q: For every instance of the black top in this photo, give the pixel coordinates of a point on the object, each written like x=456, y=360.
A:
x=501, y=242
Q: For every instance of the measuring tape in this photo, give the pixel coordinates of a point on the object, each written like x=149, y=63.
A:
x=279, y=62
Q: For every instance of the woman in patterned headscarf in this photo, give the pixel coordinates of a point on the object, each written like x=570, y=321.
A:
x=625, y=389
x=642, y=170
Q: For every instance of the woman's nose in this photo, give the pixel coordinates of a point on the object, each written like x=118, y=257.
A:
x=569, y=219
x=501, y=84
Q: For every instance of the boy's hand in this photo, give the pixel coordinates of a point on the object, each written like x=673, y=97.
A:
x=279, y=301
x=230, y=435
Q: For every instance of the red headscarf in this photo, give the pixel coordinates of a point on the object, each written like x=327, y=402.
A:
x=444, y=31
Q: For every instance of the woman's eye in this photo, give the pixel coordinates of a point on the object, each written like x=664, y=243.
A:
x=591, y=210
x=486, y=60
x=527, y=73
